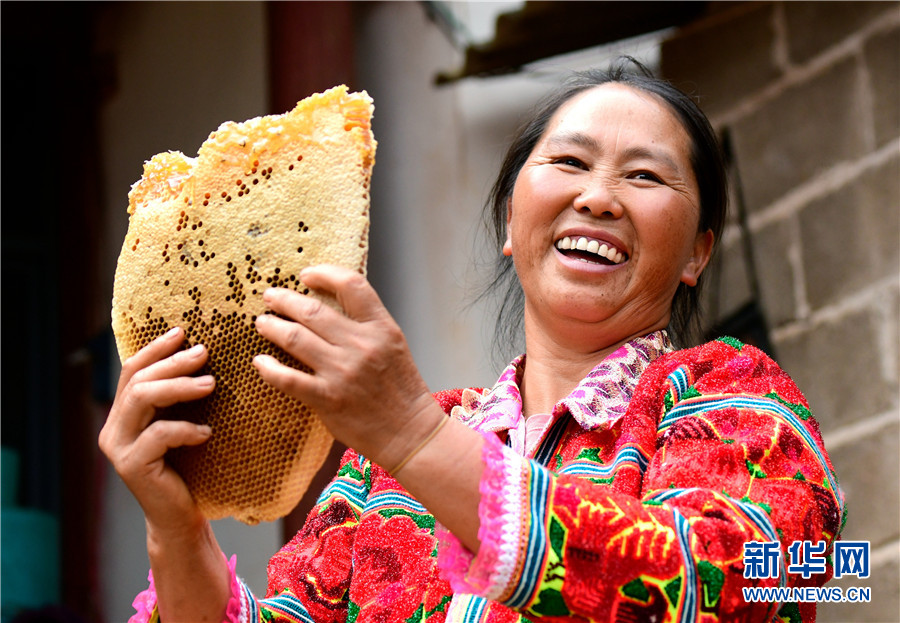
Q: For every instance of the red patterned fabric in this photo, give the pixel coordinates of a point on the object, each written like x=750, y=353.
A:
x=633, y=515
x=734, y=457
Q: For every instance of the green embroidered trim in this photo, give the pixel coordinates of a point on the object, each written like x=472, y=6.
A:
x=668, y=402
x=590, y=454
x=713, y=580
x=426, y=522
x=551, y=603
x=367, y=470
x=348, y=470
x=673, y=590
x=733, y=342
x=441, y=607
x=755, y=470
x=557, y=536
x=417, y=615
x=637, y=590
x=799, y=410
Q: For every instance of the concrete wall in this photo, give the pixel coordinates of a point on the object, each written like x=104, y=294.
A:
x=810, y=92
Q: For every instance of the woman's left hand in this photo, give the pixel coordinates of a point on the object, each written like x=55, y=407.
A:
x=364, y=384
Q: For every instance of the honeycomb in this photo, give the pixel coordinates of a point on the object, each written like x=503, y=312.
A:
x=206, y=236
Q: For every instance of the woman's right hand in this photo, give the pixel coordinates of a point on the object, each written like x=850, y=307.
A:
x=157, y=376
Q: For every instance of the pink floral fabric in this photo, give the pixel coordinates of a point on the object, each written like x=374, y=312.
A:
x=235, y=612
x=599, y=401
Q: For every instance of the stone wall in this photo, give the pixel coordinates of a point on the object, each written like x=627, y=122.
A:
x=809, y=93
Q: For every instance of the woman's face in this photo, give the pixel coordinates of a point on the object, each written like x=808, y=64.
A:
x=603, y=218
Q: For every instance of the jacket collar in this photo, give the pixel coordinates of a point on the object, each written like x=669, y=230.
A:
x=599, y=400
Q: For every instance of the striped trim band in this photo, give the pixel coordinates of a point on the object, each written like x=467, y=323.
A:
x=627, y=454
x=353, y=491
x=533, y=563
x=551, y=441
x=754, y=513
x=703, y=404
x=288, y=605
x=688, y=605
x=394, y=499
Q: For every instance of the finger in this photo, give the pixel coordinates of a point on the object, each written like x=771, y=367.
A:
x=143, y=399
x=163, y=435
x=182, y=363
x=296, y=339
x=354, y=293
x=147, y=450
x=324, y=321
x=296, y=383
x=163, y=346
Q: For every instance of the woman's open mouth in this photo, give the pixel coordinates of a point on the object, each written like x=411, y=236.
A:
x=590, y=250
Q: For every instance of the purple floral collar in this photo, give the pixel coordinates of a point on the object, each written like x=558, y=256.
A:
x=599, y=401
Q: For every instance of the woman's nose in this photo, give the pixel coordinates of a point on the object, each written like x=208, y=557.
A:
x=599, y=197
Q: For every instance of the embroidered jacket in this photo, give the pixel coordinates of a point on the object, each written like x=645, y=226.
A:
x=635, y=506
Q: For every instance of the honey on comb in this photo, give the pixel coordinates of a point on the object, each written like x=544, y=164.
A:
x=263, y=199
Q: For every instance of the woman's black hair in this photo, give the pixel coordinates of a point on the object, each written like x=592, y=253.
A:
x=706, y=160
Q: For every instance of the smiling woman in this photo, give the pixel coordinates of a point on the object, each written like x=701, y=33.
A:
x=706, y=167
x=605, y=476
x=613, y=170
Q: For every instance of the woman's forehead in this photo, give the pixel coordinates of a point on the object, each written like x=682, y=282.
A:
x=613, y=106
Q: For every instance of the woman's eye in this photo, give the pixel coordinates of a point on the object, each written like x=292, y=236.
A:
x=646, y=175
x=570, y=162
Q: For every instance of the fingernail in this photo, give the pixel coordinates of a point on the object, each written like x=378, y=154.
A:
x=171, y=333
x=204, y=430
x=206, y=380
x=195, y=351
x=262, y=319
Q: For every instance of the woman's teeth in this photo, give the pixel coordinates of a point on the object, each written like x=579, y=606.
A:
x=591, y=246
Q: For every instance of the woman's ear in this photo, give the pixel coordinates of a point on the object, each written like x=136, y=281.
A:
x=507, y=246
x=703, y=245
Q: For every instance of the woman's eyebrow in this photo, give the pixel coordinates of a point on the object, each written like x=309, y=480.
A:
x=644, y=153
x=637, y=152
x=581, y=139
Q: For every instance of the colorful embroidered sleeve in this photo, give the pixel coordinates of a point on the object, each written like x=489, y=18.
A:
x=309, y=578
x=732, y=456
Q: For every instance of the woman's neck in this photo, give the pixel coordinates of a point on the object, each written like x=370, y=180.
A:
x=554, y=368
